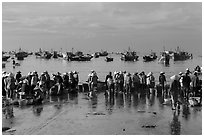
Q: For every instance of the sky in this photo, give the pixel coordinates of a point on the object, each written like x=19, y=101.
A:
x=111, y=26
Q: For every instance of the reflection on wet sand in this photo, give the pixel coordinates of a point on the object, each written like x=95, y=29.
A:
x=37, y=110
x=149, y=105
x=175, y=124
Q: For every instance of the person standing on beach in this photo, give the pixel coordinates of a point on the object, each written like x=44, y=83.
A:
x=121, y=81
x=18, y=76
x=34, y=81
x=47, y=76
x=143, y=82
x=10, y=85
x=116, y=81
x=174, y=90
x=162, y=80
x=89, y=79
x=109, y=82
x=128, y=83
x=195, y=83
x=186, y=84
x=136, y=81
x=76, y=79
x=94, y=80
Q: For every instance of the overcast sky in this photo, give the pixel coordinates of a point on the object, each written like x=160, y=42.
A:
x=107, y=26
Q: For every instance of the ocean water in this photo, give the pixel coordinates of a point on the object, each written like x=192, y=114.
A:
x=102, y=67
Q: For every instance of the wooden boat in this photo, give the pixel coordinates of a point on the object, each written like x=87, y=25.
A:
x=179, y=55
x=150, y=57
x=129, y=55
x=108, y=59
x=47, y=55
x=78, y=56
x=103, y=53
x=5, y=58
x=21, y=54
x=44, y=54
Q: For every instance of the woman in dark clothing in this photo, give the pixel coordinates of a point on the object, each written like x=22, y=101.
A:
x=18, y=76
x=162, y=80
x=109, y=82
x=174, y=90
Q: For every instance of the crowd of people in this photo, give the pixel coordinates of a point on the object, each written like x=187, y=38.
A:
x=36, y=85
x=184, y=84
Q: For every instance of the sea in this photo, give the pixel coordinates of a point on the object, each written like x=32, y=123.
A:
x=101, y=67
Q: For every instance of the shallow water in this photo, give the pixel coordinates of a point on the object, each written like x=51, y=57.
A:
x=102, y=67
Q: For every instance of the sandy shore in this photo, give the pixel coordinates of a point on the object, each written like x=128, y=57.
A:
x=123, y=115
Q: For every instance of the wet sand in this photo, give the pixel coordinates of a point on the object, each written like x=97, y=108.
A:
x=124, y=115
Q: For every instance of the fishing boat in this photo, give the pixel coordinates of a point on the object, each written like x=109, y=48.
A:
x=5, y=57
x=150, y=57
x=78, y=56
x=129, y=56
x=103, y=53
x=43, y=54
x=47, y=55
x=179, y=55
x=60, y=55
x=20, y=55
x=108, y=59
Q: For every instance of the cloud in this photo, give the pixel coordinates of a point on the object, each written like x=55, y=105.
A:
x=101, y=17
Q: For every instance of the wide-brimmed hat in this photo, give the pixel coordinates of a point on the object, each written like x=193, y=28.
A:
x=195, y=72
x=19, y=72
x=45, y=72
x=180, y=73
x=75, y=72
x=92, y=71
x=174, y=77
x=10, y=74
x=58, y=73
x=64, y=73
x=3, y=73
x=149, y=74
x=162, y=72
x=135, y=73
x=128, y=74
x=30, y=73
x=188, y=71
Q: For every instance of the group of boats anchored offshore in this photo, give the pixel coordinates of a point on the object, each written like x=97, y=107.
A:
x=128, y=55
